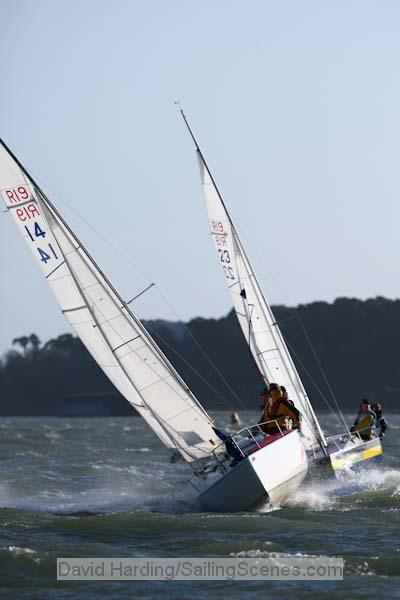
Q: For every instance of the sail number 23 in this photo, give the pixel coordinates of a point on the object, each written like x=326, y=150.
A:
x=226, y=259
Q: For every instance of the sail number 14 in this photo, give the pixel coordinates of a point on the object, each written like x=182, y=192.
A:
x=37, y=232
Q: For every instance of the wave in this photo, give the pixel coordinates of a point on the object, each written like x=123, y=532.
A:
x=368, y=488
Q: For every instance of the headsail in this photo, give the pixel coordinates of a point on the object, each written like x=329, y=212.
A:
x=111, y=332
x=254, y=314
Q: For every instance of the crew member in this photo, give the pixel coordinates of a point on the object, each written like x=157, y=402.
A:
x=381, y=422
x=365, y=422
x=277, y=410
x=286, y=395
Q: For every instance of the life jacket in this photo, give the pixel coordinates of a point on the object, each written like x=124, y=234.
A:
x=277, y=409
x=365, y=425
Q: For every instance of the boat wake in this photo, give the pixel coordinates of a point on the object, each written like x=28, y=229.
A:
x=112, y=497
x=368, y=488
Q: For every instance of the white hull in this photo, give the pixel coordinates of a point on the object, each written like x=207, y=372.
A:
x=271, y=474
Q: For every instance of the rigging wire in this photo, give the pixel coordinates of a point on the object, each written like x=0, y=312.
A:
x=195, y=340
x=307, y=372
x=251, y=357
x=322, y=370
x=188, y=364
x=162, y=295
x=338, y=413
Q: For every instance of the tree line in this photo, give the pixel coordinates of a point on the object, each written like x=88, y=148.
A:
x=348, y=349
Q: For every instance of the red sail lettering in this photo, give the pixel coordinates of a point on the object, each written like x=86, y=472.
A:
x=17, y=194
x=32, y=209
x=11, y=197
x=28, y=212
x=21, y=214
x=23, y=192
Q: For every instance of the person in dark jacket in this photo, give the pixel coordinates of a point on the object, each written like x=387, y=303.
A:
x=380, y=419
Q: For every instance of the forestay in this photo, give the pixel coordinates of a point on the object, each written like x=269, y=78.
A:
x=111, y=332
x=256, y=319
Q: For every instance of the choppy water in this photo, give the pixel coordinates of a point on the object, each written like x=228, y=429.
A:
x=104, y=488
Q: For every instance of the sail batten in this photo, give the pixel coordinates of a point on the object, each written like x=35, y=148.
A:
x=258, y=324
x=111, y=332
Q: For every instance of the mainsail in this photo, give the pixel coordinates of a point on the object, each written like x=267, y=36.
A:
x=254, y=314
x=111, y=332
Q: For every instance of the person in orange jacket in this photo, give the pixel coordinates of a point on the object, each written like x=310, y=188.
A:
x=278, y=409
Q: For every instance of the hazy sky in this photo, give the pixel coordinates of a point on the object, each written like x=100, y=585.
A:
x=296, y=105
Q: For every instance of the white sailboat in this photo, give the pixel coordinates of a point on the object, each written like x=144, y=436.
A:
x=263, y=335
x=129, y=356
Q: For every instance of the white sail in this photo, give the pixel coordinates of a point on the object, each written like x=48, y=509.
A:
x=256, y=319
x=112, y=334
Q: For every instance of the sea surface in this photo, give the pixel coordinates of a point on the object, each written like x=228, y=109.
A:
x=104, y=487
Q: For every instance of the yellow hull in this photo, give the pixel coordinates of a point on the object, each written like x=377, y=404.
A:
x=346, y=458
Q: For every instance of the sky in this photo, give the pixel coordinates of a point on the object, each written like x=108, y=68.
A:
x=295, y=106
